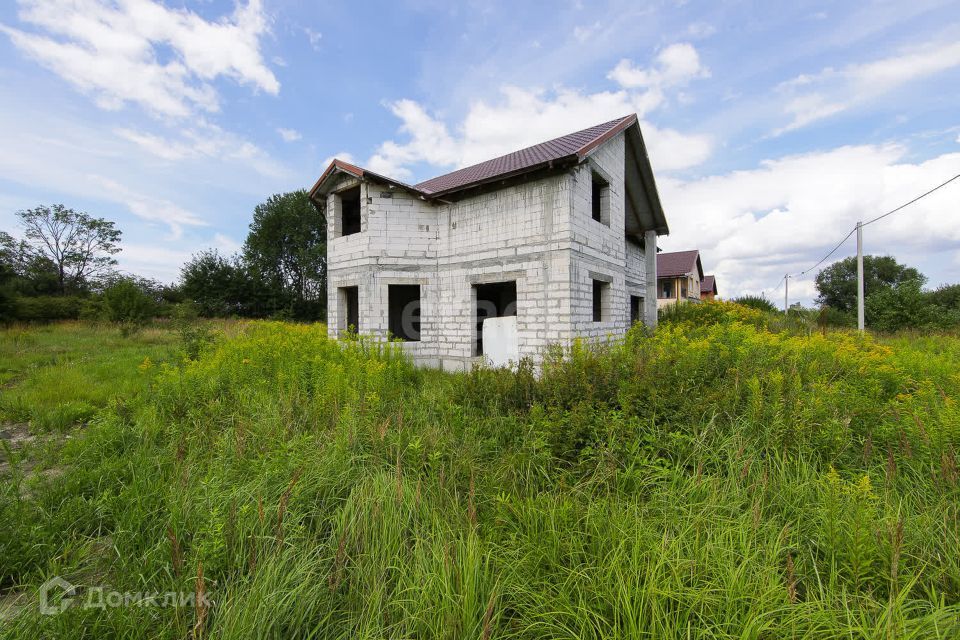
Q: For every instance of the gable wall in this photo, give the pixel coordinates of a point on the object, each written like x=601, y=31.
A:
x=600, y=251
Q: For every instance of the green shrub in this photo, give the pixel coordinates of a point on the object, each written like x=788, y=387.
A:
x=127, y=304
x=946, y=296
x=48, y=308
x=760, y=303
x=8, y=306
x=91, y=309
x=712, y=312
x=903, y=307
x=195, y=335
x=830, y=317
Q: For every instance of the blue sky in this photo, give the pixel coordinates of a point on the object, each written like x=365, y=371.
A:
x=772, y=128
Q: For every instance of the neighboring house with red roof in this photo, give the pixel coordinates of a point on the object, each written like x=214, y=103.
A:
x=497, y=260
x=679, y=275
x=708, y=288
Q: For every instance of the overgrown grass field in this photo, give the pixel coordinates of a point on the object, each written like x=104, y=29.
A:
x=56, y=376
x=726, y=477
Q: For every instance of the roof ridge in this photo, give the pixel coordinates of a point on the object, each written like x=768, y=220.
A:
x=560, y=147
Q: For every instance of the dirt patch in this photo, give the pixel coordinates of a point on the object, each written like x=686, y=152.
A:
x=16, y=434
x=100, y=555
x=13, y=381
x=17, y=440
x=12, y=603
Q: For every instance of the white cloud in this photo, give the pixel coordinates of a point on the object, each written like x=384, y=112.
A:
x=314, y=37
x=207, y=140
x=117, y=52
x=225, y=243
x=809, y=98
x=163, y=262
x=152, y=261
x=156, y=145
x=289, y=135
x=147, y=207
x=753, y=226
x=522, y=117
x=809, y=108
x=701, y=30
x=50, y=154
x=429, y=142
x=346, y=156
x=584, y=33
x=675, y=65
x=671, y=150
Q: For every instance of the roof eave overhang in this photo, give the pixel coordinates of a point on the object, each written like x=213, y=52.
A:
x=571, y=159
x=646, y=174
x=556, y=163
x=335, y=166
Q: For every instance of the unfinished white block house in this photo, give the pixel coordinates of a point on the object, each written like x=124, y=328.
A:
x=495, y=261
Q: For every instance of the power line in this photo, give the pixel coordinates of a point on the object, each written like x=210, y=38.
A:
x=921, y=196
x=832, y=251
x=880, y=217
x=859, y=227
x=776, y=286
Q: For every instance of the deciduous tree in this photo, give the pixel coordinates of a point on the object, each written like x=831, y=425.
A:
x=79, y=246
x=837, y=284
x=220, y=286
x=286, y=250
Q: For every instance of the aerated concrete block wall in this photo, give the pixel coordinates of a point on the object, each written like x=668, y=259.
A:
x=599, y=250
x=518, y=233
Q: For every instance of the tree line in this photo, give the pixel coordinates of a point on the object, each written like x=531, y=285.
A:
x=63, y=266
x=894, y=297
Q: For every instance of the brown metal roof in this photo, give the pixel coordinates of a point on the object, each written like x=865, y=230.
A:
x=571, y=146
x=709, y=284
x=678, y=263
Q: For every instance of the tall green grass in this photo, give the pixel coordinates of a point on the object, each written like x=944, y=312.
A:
x=713, y=480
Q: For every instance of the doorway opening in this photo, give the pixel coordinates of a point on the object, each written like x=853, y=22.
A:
x=636, y=309
x=349, y=309
x=404, y=311
x=493, y=300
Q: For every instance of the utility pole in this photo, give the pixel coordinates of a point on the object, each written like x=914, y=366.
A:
x=860, y=277
x=786, y=294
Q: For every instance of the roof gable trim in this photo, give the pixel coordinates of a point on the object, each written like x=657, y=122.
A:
x=361, y=174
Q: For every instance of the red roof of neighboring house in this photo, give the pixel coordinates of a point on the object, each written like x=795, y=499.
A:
x=571, y=146
x=708, y=285
x=678, y=263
